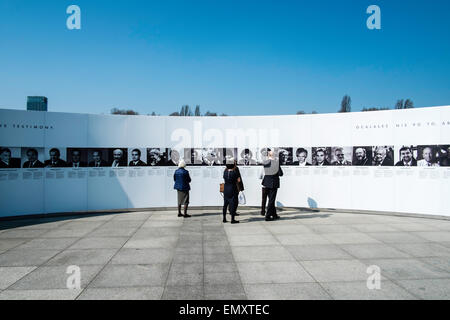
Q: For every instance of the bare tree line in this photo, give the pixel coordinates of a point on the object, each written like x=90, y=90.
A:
x=184, y=112
x=346, y=106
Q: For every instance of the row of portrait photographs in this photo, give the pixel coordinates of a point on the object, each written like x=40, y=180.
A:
x=408, y=155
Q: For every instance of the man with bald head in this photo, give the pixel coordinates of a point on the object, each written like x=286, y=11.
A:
x=427, y=161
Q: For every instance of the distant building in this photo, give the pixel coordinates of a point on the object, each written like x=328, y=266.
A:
x=37, y=103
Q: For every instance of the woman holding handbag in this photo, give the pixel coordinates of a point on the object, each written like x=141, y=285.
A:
x=240, y=186
x=230, y=191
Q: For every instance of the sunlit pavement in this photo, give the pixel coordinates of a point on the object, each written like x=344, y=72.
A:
x=157, y=255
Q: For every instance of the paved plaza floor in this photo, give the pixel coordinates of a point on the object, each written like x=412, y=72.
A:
x=156, y=255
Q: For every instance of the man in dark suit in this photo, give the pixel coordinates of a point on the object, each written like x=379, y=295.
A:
x=155, y=157
x=271, y=181
x=407, y=159
x=321, y=159
x=361, y=157
x=340, y=158
x=136, y=159
x=247, y=158
x=97, y=160
x=55, y=161
x=76, y=160
x=118, y=159
x=33, y=161
x=172, y=157
x=5, y=159
x=381, y=158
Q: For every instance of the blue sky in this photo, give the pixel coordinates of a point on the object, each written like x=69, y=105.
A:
x=237, y=57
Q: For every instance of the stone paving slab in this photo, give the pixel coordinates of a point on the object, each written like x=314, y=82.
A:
x=157, y=255
x=183, y=293
x=26, y=257
x=373, y=250
x=131, y=276
x=48, y=243
x=10, y=275
x=99, y=243
x=142, y=256
x=428, y=289
x=336, y=270
x=53, y=277
x=56, y=294
x=403, y=269
x=318, y=252
x=286, y=291
x=423, y=249
x=357, y=290
x=273, y=272
x=82, y=257
x=125, y=293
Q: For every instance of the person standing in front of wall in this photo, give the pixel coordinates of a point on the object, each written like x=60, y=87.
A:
x=271, y=182
x=230, y=190
x=182, y=179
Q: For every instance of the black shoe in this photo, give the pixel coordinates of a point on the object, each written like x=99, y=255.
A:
x=276, y=217
x=180, y=215
x=269, y=218
x=234, y=221
x=224, y=221
x=263, y=214
x=236, y=214
x=187, y=216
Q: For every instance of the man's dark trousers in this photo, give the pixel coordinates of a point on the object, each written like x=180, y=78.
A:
x=264, y=200
x=271, y=209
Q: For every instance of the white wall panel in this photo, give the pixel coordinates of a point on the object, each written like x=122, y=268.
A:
x=400, y=189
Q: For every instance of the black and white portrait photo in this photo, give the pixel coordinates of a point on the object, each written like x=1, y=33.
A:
x=383, y=156
x=32, y=157
x=9, y=157
x=246, y=157
x=156, y=157
x=285, y=155
x=213, y=156
x=187, y=155
x=444, y=155
x=55, y=158
x=137, y=157
x=262, y=154
x=197, y=156
x=173, y=156
x=362, y=156
x=321, y=156
x=76, y=157
x=302, y=157
x=230, y=153
x=427, y=156
x=406, y=156
x=341, y=156
x=98, y=157
x=118, y=157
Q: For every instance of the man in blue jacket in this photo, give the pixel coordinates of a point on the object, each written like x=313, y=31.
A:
x=182, y=180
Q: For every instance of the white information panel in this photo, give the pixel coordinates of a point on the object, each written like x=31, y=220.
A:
x=393, y=161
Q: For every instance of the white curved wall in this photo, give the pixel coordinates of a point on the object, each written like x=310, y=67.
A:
x=415, y=189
